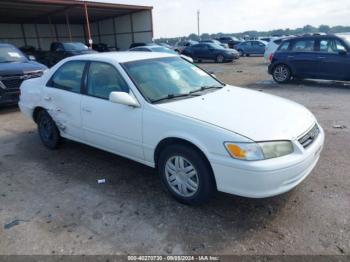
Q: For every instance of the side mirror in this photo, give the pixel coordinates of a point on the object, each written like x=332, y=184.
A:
x=342, y=52
x=123, y=99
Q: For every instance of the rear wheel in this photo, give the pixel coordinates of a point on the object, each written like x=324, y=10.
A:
x=241, y=53
x=186, y=175
x=220, y=59
x=48, y=131
x=281, y=74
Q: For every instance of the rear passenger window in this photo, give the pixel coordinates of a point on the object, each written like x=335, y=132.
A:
x=68, y=76
x=304, y=46
x=104, y=79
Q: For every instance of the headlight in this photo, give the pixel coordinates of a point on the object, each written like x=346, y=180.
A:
x=259, y=151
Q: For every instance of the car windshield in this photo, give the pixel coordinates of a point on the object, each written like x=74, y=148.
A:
x=75, y=47
x=216, y=46
x=168, y=78
x=163, y=50
x=10, y=54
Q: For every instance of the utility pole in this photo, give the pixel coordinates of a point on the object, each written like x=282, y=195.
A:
x=198, y=14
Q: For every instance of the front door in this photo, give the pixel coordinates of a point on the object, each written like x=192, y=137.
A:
x=62, y=98
x=334, y=60
x=113, y=127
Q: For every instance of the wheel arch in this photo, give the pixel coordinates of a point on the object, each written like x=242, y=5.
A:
x=36, y=112
x=176, y=140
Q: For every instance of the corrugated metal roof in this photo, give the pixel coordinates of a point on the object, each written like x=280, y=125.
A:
x=40, y=11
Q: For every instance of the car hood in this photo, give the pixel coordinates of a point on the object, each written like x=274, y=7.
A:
x=20, y=68
x=255, y=115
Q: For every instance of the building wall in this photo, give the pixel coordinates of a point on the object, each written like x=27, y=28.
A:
x=118, y=32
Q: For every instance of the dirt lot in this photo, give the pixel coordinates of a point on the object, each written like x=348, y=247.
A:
x=50, y=202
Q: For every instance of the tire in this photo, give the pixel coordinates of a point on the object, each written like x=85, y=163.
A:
x=281, y=73
x=220, y=59
x=186, y=174
x=48, y=131
x=241, y=53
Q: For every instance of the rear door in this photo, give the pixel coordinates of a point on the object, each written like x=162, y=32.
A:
x=334, y=60
x=303, y=58
x=200, y=51
x=62, y=98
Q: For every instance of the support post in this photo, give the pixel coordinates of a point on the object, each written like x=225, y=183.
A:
x=68, y=27
x=88, y=24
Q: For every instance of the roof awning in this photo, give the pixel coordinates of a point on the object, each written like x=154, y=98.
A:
x=41, y=11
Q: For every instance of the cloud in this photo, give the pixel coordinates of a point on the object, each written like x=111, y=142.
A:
x=178, y=17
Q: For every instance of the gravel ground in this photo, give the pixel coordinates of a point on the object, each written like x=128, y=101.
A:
x=50, y=202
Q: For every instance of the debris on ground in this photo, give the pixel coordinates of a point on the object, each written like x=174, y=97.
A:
x=14, y=223
x=101, y=181
x=339, y=126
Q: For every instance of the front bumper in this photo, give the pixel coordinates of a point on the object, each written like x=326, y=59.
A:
x=266, y=178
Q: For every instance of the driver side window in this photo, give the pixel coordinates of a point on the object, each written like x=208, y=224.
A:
x=103, y=79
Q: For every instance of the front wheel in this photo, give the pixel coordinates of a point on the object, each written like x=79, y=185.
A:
x=220, y=59
x=186, y=174
x=281, y=74
x=48, y=131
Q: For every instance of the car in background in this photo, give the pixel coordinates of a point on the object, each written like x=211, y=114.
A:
x=315, y=56
x=101, y=47
x=272, y=47
x=180, y=46
x=166, y=45
x=161, y=111
x=133, y=45
x=159, y=49
x=214, y=41
x=15, y=67
x=61, y=50
x=209, y=51
x=231, y=41
x=251, y=47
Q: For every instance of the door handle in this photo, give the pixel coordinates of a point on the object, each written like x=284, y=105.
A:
x=321, y=57
x=47, y=98
x=86, y=110
x=291, y=56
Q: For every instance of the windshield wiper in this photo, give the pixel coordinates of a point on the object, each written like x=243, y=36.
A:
x=203, y=88
x=171, y=96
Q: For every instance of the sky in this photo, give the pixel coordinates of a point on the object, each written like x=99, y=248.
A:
x=172, y=18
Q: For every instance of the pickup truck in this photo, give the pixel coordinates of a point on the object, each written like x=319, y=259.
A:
x=59, y=51
x=15, y=67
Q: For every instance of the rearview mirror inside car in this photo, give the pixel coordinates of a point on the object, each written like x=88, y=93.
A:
x=123, y=99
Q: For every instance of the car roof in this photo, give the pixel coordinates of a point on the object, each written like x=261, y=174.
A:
x=5, y=44
x=315, y=36
x=122, y=57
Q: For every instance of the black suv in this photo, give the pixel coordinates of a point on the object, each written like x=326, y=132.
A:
x=15, y=67
x=312, y=56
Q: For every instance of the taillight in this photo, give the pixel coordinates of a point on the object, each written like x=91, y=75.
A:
x=271, y=57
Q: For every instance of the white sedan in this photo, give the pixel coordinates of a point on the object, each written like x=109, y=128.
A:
x=162, y=111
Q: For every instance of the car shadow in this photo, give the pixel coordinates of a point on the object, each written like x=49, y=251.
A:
x=8, y=109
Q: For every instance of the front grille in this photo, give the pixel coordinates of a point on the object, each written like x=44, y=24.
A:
x=15, y=81
x=307, y=139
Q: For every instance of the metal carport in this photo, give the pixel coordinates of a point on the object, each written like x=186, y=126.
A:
x=39, y=22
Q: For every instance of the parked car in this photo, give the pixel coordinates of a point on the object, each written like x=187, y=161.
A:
x=315, y=57
x=60, y=50
x=209, y=51
x=133, y=45
x=252, y=47
x=272, y=47
x=101, y=47
x=180, y=46
x=214, y=41
x=15, y=67
x=162, y=111
x=230, y=41
x=159, y=49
